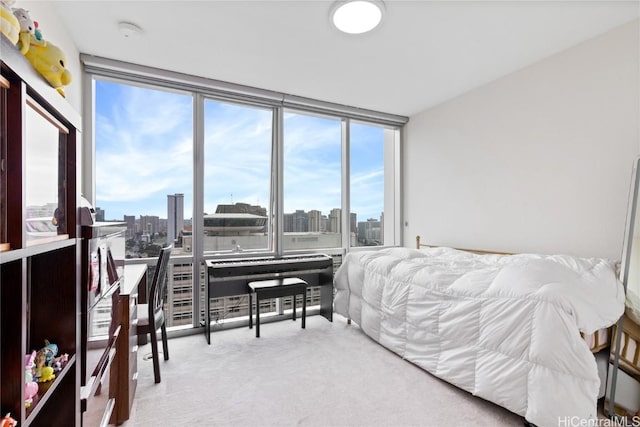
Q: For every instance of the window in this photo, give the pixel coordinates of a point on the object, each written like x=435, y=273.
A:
x=220, y=172
x=367, y=184
x=136, y=180
x=237, y=171
x=312, y=182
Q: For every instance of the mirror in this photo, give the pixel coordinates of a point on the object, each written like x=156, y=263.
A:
x=623, y=379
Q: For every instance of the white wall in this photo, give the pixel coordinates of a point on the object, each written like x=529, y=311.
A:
x=53, y=30
x=538, y=161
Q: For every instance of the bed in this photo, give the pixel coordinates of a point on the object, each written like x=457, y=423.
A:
x=508, y=328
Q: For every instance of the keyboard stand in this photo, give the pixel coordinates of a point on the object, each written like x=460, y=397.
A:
x=228, y=277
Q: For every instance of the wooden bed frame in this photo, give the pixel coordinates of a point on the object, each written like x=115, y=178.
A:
x=599, y=342
x=475, y=251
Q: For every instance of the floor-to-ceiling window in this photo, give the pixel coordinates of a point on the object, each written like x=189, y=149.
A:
x=144, y=176
x=312, y=182
x=230, y=175
x=367, y=181
x=238, y=145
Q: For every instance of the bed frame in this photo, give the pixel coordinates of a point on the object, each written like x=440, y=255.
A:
x=475, y=251
x=600, y=337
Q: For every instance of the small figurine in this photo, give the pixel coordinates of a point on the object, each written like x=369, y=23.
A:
x=51, y=350
x=30, y=387
x=43, y=372
x=7, y=421
x=59, y=361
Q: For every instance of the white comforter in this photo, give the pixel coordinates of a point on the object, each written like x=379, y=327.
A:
x=505, y=328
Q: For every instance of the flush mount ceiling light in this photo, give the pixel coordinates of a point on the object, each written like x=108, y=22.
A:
x=129, y=30
x=357, y=16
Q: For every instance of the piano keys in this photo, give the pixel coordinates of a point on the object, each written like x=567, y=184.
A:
x=228, y=277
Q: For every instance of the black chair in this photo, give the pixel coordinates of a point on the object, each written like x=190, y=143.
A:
x=151, y=315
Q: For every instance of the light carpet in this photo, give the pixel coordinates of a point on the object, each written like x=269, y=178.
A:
x=329, y=374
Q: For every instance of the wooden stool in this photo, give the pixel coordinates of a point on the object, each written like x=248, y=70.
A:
x=276, y=288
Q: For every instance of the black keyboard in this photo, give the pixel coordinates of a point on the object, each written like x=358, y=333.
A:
x=266, y=265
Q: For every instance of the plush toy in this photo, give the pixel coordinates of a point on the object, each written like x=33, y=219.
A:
x=30, y=386
x=27, y=30
x=7, y=421
x=9, y=25
x=49, y=60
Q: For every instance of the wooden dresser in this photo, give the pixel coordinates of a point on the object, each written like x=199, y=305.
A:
x=124, y=375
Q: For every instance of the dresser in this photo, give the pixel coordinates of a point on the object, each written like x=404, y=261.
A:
x=125, y=373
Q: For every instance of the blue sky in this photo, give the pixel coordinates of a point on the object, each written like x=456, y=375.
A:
x=144, y=151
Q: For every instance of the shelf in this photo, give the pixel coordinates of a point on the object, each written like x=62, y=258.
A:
x=40, y=270
x=47, y=389
x=47, y=239
x=38, y=249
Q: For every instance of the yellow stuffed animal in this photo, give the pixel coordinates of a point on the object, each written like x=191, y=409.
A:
x=9, y=25
x=50, y=61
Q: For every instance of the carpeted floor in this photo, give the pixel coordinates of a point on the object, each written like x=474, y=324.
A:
x=330, y=374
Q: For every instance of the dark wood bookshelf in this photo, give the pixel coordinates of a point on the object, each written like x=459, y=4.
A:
x=40, y=273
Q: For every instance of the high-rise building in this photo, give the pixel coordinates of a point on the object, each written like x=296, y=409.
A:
x=175, y=216
x=288, y=223
x=353, y=222
x=240, y=219
x=149, y=225
x=131, y=226
x=99, y=214
x=242, y=208
x=369, y=232
x=334, y=224
x=315, y=221
x=300, y=221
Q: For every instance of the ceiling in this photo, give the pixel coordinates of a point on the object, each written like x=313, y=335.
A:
x=424, y=53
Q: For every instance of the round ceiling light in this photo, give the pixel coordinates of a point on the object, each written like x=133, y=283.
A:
x=357, y=16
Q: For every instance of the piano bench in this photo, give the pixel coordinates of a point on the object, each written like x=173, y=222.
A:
x=276, y=288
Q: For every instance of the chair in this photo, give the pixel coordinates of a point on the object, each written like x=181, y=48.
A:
x=151, y=315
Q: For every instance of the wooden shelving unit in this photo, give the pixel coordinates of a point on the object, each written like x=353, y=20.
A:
x=39, y=279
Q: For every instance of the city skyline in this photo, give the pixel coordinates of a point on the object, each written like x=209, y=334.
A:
x=189, y=220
